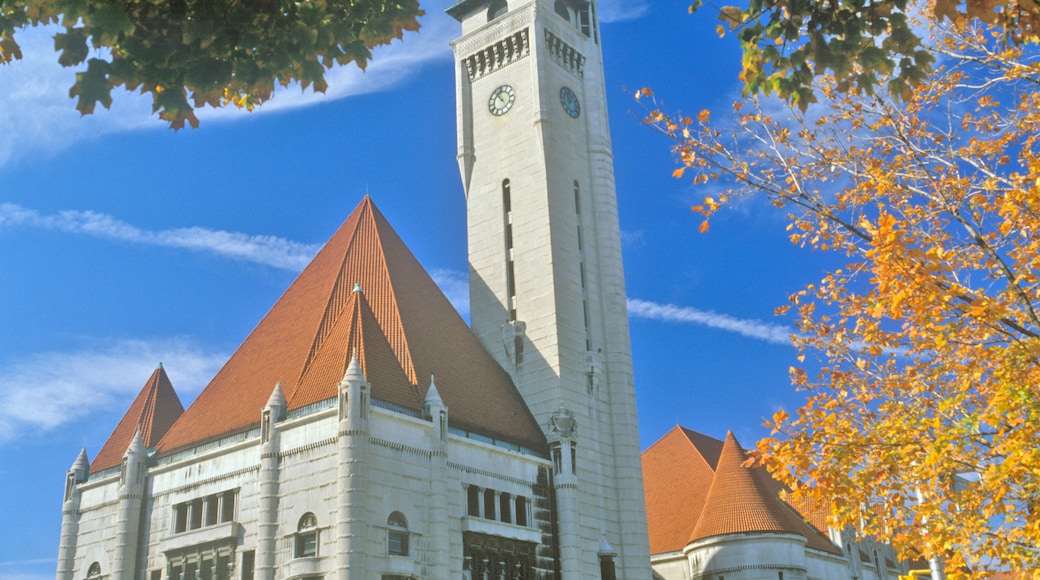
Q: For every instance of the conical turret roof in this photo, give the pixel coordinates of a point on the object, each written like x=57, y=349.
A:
x=154, y=410
x=366, y=293
x=738, y=502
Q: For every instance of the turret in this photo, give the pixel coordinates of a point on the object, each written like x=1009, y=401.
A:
x=76, y=475
x=128, y=520
x=353, y=397
x=435, y=411
x=563, y=433
x=351, y=532
x=270, y=415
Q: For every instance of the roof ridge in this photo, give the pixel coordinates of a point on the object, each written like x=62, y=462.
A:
x=337, y=300
x=700, y=454
x=405, y=356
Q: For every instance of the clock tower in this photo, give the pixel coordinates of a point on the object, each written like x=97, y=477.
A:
x=547, y=292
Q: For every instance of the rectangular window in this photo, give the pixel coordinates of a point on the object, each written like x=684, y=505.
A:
x=248, y=563
x=195, y=515
x=156, y=574
x=180, y=518
x=397, y=543
x=521, y=511
x=503, y=508
x=211, y=510
x=606, y=568
x=307, y=544
x=473, y=500
x=228, y=507
x=489, y=504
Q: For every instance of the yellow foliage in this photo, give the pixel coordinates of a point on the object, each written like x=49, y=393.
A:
x=926, y=414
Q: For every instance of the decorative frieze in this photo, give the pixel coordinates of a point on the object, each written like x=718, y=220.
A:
x=498, y=55
x=565, y=55
x=507, y=25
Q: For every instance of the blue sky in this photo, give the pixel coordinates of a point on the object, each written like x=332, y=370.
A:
x=123, y=244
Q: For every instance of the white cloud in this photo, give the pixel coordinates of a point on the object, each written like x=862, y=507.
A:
x=37, y=116
x=634, y=238
x=756, y=329
x=455, y=286
x=47, y=390
x=267, y=250
x=618, y=10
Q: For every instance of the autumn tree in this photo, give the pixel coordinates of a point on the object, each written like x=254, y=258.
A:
x=921, y=423
x=788, y=44
x=192, y=53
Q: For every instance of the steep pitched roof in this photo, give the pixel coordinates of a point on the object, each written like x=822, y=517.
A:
x=154, y=410
x=676, y=478
x=363, y=292
x=697, y=487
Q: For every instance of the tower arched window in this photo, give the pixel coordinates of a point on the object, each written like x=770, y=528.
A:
x=307, y=537
x=561, y=9
x=94, y=571
x=397, y=535
x=497, y=8
x=507, y=211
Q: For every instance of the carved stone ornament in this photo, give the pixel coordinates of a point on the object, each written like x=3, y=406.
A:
x=563, y=422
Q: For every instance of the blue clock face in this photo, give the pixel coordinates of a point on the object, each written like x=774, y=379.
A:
x=570, y=102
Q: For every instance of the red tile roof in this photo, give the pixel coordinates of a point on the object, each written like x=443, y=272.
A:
x=154, y=410
x=401, y=325
x=697, y=487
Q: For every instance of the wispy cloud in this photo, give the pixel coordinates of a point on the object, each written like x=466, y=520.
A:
x=455, y=285
x=267, y=250
x=47, y=390
x=37, y=116
x=756, y=329
x=631, y=238
x=618, y=10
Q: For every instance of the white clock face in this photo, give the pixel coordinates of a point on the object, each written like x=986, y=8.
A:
x=501, y=100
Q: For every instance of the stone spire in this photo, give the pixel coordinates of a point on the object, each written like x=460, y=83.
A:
x=432, y=396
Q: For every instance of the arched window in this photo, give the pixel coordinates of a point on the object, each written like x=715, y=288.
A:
x=94, y=571
x=397, y=535
x=307, y=536
x=498, y=8
x=561, y=9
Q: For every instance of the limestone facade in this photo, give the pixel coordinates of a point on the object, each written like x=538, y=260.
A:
x=268, y=503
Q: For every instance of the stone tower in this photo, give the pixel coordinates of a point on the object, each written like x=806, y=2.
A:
x=547, y=293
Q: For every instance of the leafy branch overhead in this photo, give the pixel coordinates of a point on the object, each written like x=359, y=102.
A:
x=860, y=43
x=192, y=53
